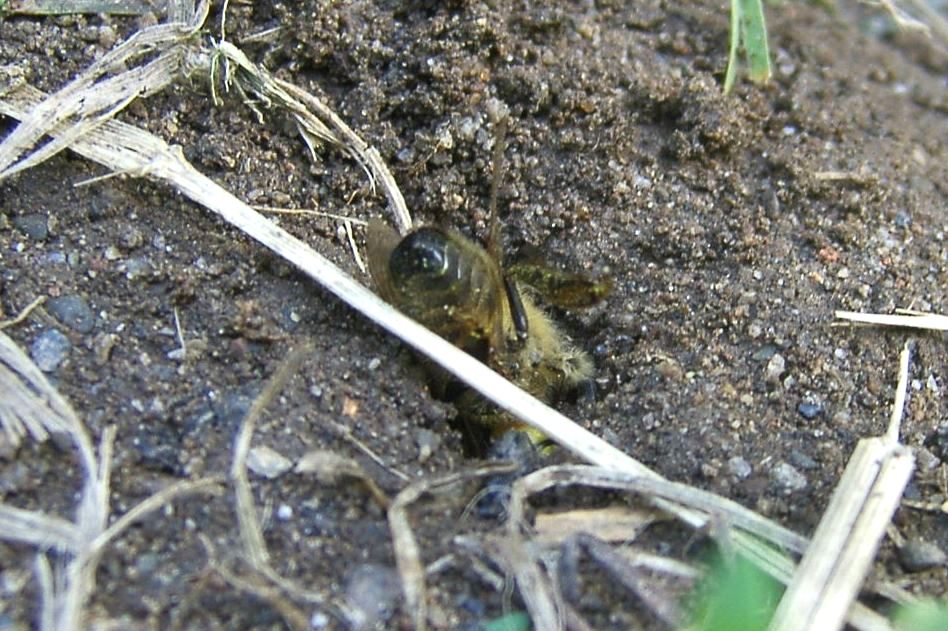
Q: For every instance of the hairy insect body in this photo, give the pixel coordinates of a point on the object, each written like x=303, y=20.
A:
x=458, y=289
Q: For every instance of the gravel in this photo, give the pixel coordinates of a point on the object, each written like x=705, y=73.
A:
x=73, y=311
x=50, y=349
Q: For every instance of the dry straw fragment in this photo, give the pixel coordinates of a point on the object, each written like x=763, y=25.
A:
x=29, y=405
x=844, y=545
x=36, y=406
x=407, y=551
x=905, y=318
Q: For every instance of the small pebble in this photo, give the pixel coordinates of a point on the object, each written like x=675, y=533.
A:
x=73, y=311
x=709, y=470
x=372, y=592
x=917, y=556
x=284, y=512
x=809, y=410
x=775, y=368
x=739, y=467
x=670, y=370
x=266, y=462
x=33, y=225
x=801, y=460
x=154, y=447
x=318, y=620
x=374, y=363
x=468, y=128
x=107, y=36
x=55, y=258
x=788, y=478
x=427, y=442
x=131, y=239
x=137, y=267
x=290, y=319
x=146, y=563
x=49, y=350
x=937, y=441
x=641, y=182
x=765, y=353
x=925, y=460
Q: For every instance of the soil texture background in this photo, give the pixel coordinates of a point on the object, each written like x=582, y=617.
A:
x=732, y=227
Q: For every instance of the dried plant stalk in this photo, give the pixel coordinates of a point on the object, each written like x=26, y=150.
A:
x=844, y=545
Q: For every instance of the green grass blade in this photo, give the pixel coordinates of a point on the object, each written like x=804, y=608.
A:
x=517, y=621
x=735, y=42
x=925, y=615
x=754, y=37
x=735, y=596
x=748, y=32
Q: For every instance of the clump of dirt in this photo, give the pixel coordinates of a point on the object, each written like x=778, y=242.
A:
x=733, y=227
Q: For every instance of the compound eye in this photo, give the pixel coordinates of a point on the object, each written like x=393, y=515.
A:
x=424, y=254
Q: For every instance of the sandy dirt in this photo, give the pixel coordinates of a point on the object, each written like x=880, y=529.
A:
x=733, y=227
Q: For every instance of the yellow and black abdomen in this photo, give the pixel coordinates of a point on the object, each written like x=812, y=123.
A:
x=444, y=281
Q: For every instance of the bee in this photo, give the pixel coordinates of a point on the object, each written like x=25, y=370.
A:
x=459, y=289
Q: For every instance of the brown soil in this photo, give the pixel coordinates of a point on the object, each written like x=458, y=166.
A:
x=728, y=244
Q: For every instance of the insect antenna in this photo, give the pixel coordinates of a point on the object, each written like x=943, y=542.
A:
x=493, y=235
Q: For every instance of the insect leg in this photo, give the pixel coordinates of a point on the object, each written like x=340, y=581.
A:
x=517, y=312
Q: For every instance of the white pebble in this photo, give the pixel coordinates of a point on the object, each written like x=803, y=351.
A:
x=267, y=462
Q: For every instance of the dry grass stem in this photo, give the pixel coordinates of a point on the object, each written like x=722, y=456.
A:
x=692, y=506
x=251, y=534
x=73, y=7
x=658, y=564
x=614, y=523
x=731, y=512
x=936, y=21
x=254, y=551
x=209, y=485
x=369, y=155
x=930, y=321
x=255, y=586
x=844, y=545
x=79, y=117
x=407, y=553
x=329, y=467
x=474, y=551
x=38, y=529
x=661, y=601
x=347, y=435
x=316, y=122
x=183, y=347
x=353, y=248
x=31, y=405
x=89, y=99
x=901, y=391
x=860, y=178
x=929, y=22
x=309, y=211
x=23, y=315
x=520, y=558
